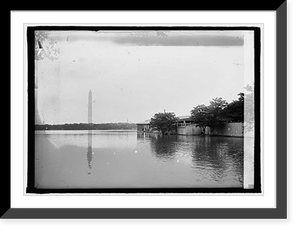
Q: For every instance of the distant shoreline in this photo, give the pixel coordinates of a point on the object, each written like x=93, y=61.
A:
x=86, y=126
x=84, y=132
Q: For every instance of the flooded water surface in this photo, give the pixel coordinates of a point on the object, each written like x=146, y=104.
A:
x=127, y=159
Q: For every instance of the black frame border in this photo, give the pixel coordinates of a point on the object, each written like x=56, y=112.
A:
x=280, y=212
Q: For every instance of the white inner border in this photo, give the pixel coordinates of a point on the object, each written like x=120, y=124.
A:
x=159, y=18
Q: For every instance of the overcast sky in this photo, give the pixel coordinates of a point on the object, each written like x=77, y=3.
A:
x=135, y=74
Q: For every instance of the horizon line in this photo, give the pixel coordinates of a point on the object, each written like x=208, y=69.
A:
x=84, y=123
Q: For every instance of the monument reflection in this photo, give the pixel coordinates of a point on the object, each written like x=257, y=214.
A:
x=90, y=151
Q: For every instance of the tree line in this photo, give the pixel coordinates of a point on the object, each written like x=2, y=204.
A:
x=218, y=112
x=87, y=126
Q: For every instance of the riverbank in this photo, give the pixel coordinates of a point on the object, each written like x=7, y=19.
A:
x=87, y=126
x=230, y=129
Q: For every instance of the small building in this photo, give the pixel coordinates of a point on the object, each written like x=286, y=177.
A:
x=143, y=126
x=185, y=126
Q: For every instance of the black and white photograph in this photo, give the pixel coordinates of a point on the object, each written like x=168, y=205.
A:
x=144, y=109
x=150, y=118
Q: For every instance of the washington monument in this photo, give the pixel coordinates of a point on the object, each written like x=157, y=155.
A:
x=90, y=108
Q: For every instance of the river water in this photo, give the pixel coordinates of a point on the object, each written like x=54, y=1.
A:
x=128, y=159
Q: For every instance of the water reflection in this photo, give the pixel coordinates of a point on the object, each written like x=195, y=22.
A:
x=130, y=159
x=163, y=147
x=142, y=136
x=220, y=159
x=214, y=160
x=90, y=151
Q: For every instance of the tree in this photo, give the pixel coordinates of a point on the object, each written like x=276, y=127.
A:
x=212, y=115
x=235, y=110
x=163, y=122
x=200, y=115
